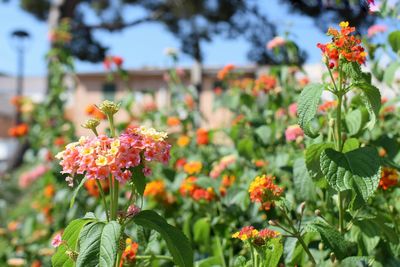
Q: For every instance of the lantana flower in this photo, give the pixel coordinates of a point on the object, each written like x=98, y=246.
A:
x=101, y=156
x=343, y=45
x=255, y=237
x=263, y=190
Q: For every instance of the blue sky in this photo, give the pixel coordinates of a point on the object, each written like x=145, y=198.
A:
x=144, y=45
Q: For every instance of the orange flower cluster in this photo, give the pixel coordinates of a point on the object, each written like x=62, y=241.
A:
x=389, y=178
x=183, y=141
x=244, y=83
x=130, y=252
x=258, y=238
x=264, y=191
x=93, y=111
x=264, y=83
x=173, y=121
x=191, y=189
x=202, y=136
x=193, y=167
x=110, y=60
x=93, y=189
x=224, y=72
x=227, y=181
x=18, y=130
x=343, y=45
x=327, y=105
x=156, y=190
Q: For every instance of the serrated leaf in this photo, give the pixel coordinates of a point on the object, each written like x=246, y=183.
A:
x=390, y=72
x=356, y=261
x=308, y=105
x=335, y=240
x=358, y=169
x=305, y=188
x=89, y=245
x=372, y=100
x=109, y=243
x=70, y=236
x=273, y=251
x=71, y=203
x=312, y=156
x=138, y=178
x=177, y=243
x=394, y=41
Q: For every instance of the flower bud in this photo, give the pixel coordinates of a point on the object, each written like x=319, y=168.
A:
x=91, y=124
x=73, y=255
x=109, y=108
x=321, y=246
x=272, y=222
x=332, y=257
x=301, y=207
x=317, y=212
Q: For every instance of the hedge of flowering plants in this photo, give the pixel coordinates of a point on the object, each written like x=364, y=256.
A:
x=297, y=174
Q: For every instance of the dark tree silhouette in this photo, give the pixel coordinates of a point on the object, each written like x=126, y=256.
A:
x=195, y=22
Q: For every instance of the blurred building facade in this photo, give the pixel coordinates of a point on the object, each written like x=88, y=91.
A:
x=93, y=88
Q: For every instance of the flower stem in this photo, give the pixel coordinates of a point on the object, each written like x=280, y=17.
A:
x=103, y=196
x=297, y=235
x=339, y=148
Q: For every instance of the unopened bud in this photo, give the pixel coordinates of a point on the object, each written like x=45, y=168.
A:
x=332, y=257
x=73, y=255
x=321, y=246
x=273, y=222
x=301, y=208
x=317, y=212
x=91, y=124
x=109, y=108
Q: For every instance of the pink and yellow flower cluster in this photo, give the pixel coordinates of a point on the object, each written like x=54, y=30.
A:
x=101, y=156
x=249, y=233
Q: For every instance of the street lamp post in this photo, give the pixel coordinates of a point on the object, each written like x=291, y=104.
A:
x=19, y=38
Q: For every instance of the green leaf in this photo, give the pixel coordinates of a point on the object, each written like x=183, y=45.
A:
x=351, y=144
x=201, y=231
x=334, y=240
x=356, y=261
x=308, y=105
x=305, y=188
x=89, y=245
x=390, y=72
x=70, y=236
x=372, y=100
x=264, y=133
x=355, y=121
x=394, y=41
x=273, y=251
x=177, y=243
x=246, y=147
x=71, y=203
x=358, y=169
x=138, y=178
x=109, y=243
x=313, y=154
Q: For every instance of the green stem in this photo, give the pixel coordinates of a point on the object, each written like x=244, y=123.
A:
x=114, y=198
x=339, y=148
x=298, y=236
x=110, y=181
x=103, y=196
x=112, y=127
